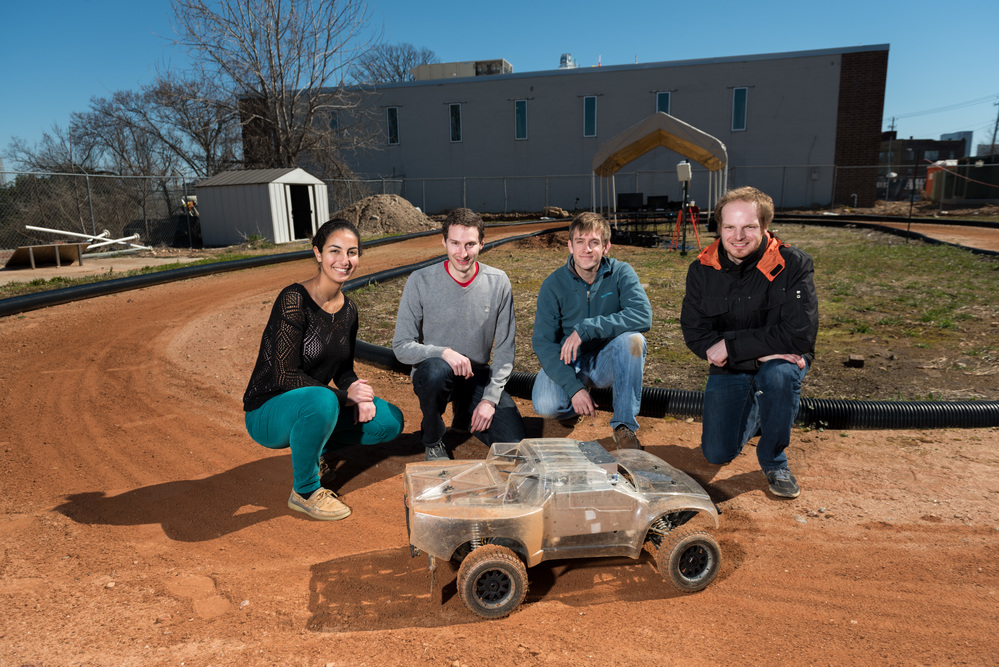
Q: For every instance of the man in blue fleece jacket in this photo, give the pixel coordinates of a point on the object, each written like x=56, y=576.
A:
x=588, y=332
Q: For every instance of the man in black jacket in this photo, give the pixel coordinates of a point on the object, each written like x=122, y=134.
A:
x=750, y=309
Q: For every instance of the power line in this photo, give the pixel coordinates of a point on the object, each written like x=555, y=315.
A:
x=950, y=107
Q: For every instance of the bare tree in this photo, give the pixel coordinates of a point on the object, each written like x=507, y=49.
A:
x=184, y=120
x=120, y=140
x=58, y=151
x=56, y=199
x=388, y=63
x=196, y=118
x=285, y=61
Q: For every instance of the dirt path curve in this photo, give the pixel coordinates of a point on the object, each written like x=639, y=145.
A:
x=140, y=524
x=984, y=238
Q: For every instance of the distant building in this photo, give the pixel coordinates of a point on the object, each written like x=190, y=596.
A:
x=790, y=122
x=955, y=136
x=566, y=62
x=897, y=152
x=434, y=71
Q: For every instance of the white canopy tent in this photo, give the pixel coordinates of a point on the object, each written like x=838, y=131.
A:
x=659, y=129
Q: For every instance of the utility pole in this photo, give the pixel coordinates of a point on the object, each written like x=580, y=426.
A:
x=994, y=129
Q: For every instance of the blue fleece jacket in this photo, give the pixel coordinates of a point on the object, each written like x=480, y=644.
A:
x=614, y=304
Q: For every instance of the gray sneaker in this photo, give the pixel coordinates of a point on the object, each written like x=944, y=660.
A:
x=437, y=452
x=625, y=438
x=322, y=504
x=782, y=483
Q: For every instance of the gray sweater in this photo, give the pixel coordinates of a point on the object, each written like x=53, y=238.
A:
x=436, y=313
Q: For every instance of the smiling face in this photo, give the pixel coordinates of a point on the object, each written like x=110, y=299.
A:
x=587, y=248
x=741, y=231
x=462, y=245
x=339, y=256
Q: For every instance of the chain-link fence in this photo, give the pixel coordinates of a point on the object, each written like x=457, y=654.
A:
x=790, y=186
x=153, y=207
x=90, y=204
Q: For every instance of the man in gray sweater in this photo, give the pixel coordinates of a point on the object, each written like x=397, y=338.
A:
x=452, y=318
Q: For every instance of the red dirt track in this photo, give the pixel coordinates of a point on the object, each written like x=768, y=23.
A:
x=142, y=526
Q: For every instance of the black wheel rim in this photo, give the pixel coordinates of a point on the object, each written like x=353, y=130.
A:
x=493, y=587
x=695, y=561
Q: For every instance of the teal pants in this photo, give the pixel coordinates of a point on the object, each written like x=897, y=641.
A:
x=309, y=421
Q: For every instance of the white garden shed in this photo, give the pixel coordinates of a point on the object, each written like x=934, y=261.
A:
x=280, y=205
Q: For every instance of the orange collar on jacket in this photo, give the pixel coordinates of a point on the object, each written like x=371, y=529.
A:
x=770, y=264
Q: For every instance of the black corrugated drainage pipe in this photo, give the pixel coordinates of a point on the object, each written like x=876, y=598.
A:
x=827, y=413
x=660, y=402
x=21, y=304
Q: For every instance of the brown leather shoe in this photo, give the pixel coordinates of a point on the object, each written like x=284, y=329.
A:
x=625, y=438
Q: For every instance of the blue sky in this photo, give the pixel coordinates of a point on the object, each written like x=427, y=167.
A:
x=56, y=55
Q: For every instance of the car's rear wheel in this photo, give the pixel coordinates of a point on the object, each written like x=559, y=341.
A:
x=492, y=581
x=690, y=559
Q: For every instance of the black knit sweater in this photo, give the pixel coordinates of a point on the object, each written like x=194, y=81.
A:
x=303, y=346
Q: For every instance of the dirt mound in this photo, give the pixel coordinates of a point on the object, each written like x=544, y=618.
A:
x=386, y=214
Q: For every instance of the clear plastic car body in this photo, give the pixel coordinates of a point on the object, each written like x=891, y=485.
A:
x=548, y=498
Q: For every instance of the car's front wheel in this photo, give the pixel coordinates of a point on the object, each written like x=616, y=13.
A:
x=492, y=581
x=690, y=559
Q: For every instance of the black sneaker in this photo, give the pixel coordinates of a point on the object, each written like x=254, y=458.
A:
x=437, y=452
x=782, y=483
x=626, y=438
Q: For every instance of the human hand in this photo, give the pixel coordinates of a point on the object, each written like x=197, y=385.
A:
x=569, y=348
x=359, y=392
x=718, y=354
x=482, y=416
x=364, y=412
x=792, y=358
x=459, y=363
x=583, y=403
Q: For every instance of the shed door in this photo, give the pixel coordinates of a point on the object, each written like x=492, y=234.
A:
x=301, y=211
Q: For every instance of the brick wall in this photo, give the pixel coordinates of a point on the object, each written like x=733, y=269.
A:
x=858, y=126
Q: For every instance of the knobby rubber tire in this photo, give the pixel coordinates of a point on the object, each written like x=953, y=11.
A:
x=492, y=581
x=689, y=559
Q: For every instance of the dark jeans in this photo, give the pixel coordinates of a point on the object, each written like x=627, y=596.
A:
x=738, y=405
x=435, y=386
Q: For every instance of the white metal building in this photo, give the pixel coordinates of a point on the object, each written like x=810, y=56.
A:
x=803, y=126
x=280, y=205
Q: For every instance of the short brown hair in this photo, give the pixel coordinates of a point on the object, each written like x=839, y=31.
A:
x=588, y=221
x=464, y=217
x=764, y=204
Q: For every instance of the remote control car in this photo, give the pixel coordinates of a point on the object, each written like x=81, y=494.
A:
x=546, y=498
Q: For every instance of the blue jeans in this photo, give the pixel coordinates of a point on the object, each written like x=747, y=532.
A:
x=304, y=419
x=738, y=405
x=436, y=385
x=619, y=364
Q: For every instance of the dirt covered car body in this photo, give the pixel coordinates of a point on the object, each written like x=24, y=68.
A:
x=550, y=498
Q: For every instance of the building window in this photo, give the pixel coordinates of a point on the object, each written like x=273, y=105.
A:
x=932, y=156
x=520, y=119
x=740, y=99
x=334, y=120
x=662, y=102
x=455, y=114
x=392, y=125
x=589, y=116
